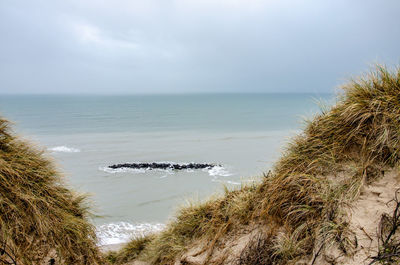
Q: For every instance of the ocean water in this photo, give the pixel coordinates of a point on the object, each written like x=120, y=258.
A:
x=244, y=133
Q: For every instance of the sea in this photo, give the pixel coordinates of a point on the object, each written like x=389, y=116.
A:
x=241, y=133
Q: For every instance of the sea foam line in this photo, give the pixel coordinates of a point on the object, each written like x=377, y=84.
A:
x=122, y=232
x=218, y=171
x=64, y=149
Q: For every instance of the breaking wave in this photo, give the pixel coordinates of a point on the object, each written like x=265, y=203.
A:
x=218, y=171
x=122, y=232
x=64, y=149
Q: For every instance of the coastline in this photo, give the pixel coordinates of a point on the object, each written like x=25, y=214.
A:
x=112, y=247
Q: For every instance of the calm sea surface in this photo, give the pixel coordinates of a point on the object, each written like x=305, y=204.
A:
x=244, y=133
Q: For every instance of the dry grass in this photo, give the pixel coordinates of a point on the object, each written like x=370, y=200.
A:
x=318, y=176
x=131, y=251
x=210, y=219
x=38, y=214
x=362, y=127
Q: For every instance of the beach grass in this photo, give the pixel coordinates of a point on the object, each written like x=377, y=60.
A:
x=300, y=208
x=41, y=220
x=304, y=200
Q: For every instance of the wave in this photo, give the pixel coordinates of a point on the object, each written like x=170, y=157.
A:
x=218, y=171
x=216, y=179
x=64, y=149
x=122, y=232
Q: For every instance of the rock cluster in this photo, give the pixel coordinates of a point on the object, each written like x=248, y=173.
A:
x=155, y=165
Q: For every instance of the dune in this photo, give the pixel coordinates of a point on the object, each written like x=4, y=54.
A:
x=332, y=197
x=41, y=220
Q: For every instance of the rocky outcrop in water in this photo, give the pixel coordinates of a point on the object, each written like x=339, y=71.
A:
x=154, y=165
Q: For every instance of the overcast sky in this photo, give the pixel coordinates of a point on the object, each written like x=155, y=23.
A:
x=175, y=46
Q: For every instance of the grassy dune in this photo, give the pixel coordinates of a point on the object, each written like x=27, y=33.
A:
x=302, y=205
x=296, y=213
x=41, y=221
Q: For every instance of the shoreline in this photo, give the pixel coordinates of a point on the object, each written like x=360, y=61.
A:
x=112, y=247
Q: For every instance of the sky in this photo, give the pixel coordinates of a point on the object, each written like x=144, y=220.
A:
x=192, y=46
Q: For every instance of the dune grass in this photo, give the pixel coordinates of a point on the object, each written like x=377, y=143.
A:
x=306, y=195
x=130, y=251
x=40, y=219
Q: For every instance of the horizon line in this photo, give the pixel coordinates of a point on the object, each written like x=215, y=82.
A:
x=161, y=93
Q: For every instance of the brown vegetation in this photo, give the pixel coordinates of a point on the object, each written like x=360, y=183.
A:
x=299, y=213
x=305, y=201
x=41, y=221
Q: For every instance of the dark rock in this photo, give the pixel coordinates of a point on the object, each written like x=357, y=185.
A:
x=155, y=165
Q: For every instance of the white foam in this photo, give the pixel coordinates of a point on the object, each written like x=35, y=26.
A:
x=216, y=179
x=233, y=182
x=218, y=171
x=122, y=232
x=64, y=149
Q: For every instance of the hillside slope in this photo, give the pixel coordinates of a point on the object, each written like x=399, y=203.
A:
x=330, y=199
x=41, y=221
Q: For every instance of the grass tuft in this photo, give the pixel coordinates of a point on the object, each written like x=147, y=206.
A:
x=131, y=251
x=40, y=219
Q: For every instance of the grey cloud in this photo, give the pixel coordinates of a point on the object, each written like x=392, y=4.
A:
x=121, y=46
